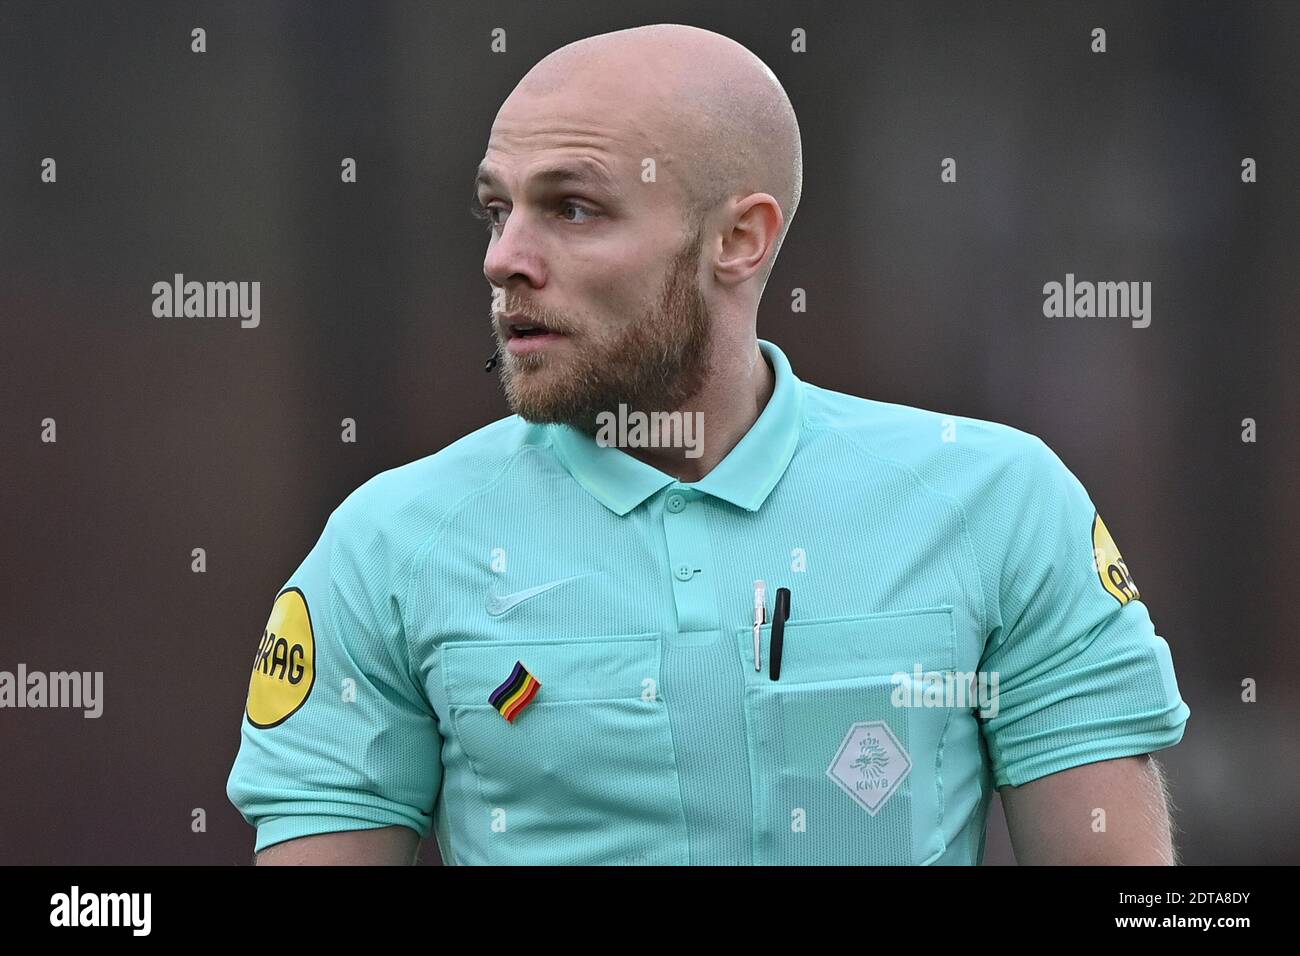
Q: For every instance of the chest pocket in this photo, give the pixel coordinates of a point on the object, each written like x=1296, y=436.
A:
x=586, y=773
x=844, y=769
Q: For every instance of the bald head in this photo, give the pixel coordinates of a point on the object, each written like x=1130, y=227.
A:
x=712, y=116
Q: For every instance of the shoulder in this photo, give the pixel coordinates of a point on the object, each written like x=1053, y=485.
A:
x=954, y=453
x=397, y=509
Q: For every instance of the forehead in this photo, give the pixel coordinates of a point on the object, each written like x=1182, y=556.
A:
x=567, y=140
x=558, y=167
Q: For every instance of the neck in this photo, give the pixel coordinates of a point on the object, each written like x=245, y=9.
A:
x=735, y=394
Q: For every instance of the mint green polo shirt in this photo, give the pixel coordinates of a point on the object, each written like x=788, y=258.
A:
x=394, y=682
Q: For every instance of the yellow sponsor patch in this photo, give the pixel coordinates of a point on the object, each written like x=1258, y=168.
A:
x=284, y=667
x=1110, y=565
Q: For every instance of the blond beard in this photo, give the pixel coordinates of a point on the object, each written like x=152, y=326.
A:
x=654, y=364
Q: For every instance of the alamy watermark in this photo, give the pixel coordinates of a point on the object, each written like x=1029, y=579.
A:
x=957, y=689
x=73, y=689
x=1102, y=300
x=651, y=430
x=179, y=299
x=75, y=908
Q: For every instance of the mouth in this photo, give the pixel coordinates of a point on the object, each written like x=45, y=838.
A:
x=523, y=334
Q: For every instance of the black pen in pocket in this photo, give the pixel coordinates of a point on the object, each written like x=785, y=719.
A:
x=780, y=611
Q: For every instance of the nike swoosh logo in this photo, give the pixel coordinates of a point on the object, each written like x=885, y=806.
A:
x=499, y=604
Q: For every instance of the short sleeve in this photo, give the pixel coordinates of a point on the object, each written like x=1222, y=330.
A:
x=1081, y=673
x=336, y=732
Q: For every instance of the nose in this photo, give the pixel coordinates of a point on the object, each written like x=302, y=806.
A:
x=511, y=256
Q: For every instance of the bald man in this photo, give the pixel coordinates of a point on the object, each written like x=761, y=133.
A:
x=681, y=607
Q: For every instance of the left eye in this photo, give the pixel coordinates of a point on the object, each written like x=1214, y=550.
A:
x=574, y=206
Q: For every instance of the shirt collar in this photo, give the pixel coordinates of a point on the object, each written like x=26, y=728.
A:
x=745, y=477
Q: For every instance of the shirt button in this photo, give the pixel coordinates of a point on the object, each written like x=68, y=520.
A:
x=683, y=572
x=676, y=504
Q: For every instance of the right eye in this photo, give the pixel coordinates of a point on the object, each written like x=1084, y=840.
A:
x=486, y=213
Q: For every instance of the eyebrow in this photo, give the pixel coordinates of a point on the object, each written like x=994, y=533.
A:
x=558, y=175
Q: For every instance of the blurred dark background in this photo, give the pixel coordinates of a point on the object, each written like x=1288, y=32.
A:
x=175, y=434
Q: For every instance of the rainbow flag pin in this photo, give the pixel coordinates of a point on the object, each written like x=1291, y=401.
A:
x=516, y=693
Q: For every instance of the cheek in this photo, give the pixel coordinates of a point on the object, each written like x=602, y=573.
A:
x=613, y=283
x=607, y=302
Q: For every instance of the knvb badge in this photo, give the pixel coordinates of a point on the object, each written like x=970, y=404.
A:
x=870, y=765
x=516, y=693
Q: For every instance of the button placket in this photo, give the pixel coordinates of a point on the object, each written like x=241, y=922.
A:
x=689, y=559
